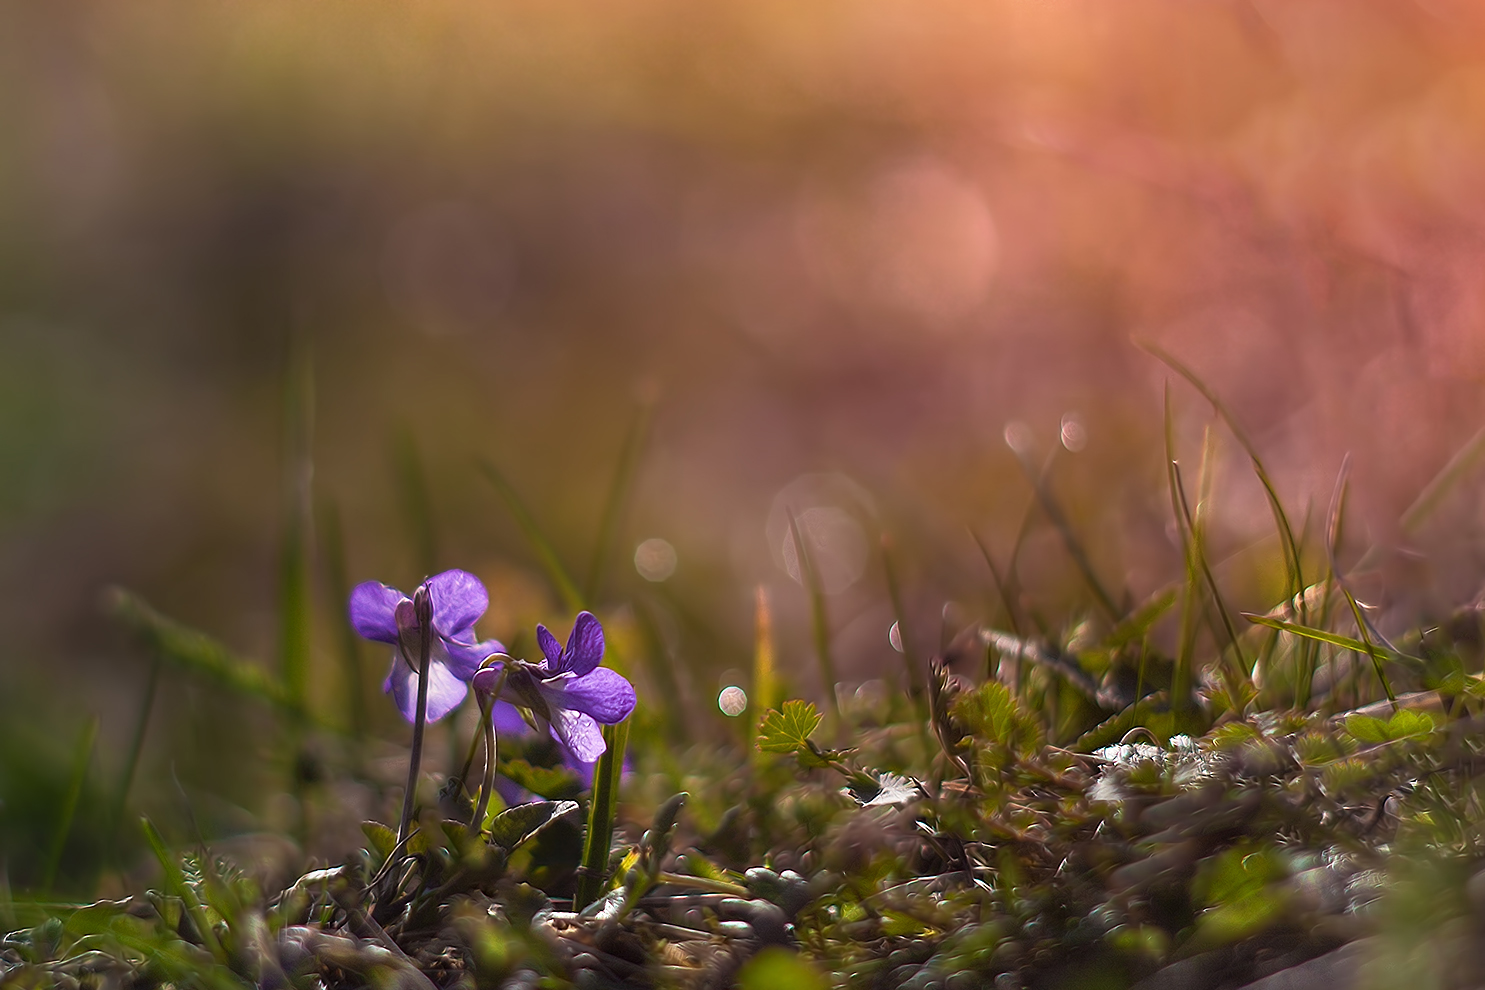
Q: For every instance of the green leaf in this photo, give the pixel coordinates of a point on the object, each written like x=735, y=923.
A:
x=1407, y=722
x=383, y=839
x=776, y=968
x=1367, y=729
x=992, y=714
x=1334, y=639
x=787, y=729
x=520, y=824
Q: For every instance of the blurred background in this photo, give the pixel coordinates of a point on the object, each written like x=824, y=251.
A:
x=272, y=264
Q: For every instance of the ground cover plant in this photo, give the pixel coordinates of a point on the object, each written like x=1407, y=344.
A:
x=1160, y=793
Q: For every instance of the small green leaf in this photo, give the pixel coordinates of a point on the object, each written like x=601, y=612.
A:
x=991, y=713
x=1367, y=729
x=788, y=729
x=382, y=838
x=781, y=969
x=520, y=824
x=1233, y=735
x=1407, y=722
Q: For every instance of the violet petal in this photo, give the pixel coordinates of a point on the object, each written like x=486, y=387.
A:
x=579, y=733
x=465, y=658
x=585, y=645
x=459, y=599
x=602, y=693
x=374, y=611
x=551, y=649
x=445, y=691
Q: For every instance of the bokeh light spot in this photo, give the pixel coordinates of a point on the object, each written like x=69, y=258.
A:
x=655, y=559
x=733, y=701
x=1074, y=435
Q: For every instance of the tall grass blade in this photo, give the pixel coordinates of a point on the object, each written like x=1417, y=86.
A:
x=195, y=651
x=338, y=587
x=572, y=597
x=82, y=758
x=1337, y=514
x=618, y=496
x=1193, y=526
x=136, y=749
x=1292, y=561
x=416, y=500
x=819, y=619
x=662, y=673
x=1333, y=639
x=296, y=535
x=1182, y=680
x=1461, y=464
x=175, y=883
x=602, y=808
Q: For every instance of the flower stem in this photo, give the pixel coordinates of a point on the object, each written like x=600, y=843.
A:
x=423, y=606
x=487, y=785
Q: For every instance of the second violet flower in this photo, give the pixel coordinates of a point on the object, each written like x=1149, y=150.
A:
x=568, y=690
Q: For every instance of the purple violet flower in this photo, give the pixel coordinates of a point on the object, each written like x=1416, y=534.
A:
x=386, y=615
x=568, y=690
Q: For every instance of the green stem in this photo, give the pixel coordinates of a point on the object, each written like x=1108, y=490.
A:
x=487, y=785
x=420, y=714
x=593, y=872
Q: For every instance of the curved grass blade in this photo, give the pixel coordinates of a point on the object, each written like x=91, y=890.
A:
x=1337, y=513
x=82, y=759
x=1292, y=561
x=136, y=748
x=1334, y=639
x=175, y=883
x=196, y=651
x=572, y=598
x=1001, y=587
x=296, y=535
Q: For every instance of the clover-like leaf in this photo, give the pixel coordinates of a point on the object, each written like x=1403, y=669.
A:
x=787, y=729
x=514, y=826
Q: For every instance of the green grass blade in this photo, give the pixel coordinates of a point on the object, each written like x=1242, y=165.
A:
x=572, y=597
x=416, y=500
x=1337, y=515
x=602, y=809
x=819, y=619
x=175, y=884
x=136, y=749
x=81, y=760
x=195, y=651
x=1460, y=465
x=1333, y=639
x=618, y=496
x=1292, y=562
x=1001, y=586
x=1182, y=680
x=338, y=587
x=1193, y=525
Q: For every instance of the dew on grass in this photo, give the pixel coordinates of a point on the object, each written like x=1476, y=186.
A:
x=733, y=701
x=655, y=559
x=894, y=636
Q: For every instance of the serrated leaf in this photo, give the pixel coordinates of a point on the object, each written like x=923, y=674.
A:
x=382, y=838
x=520, y=824
x=1408, y=722
x=1367, y=729
x=884, y=789
x=787, y=729
x=1233, y=735
x=991, y=713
